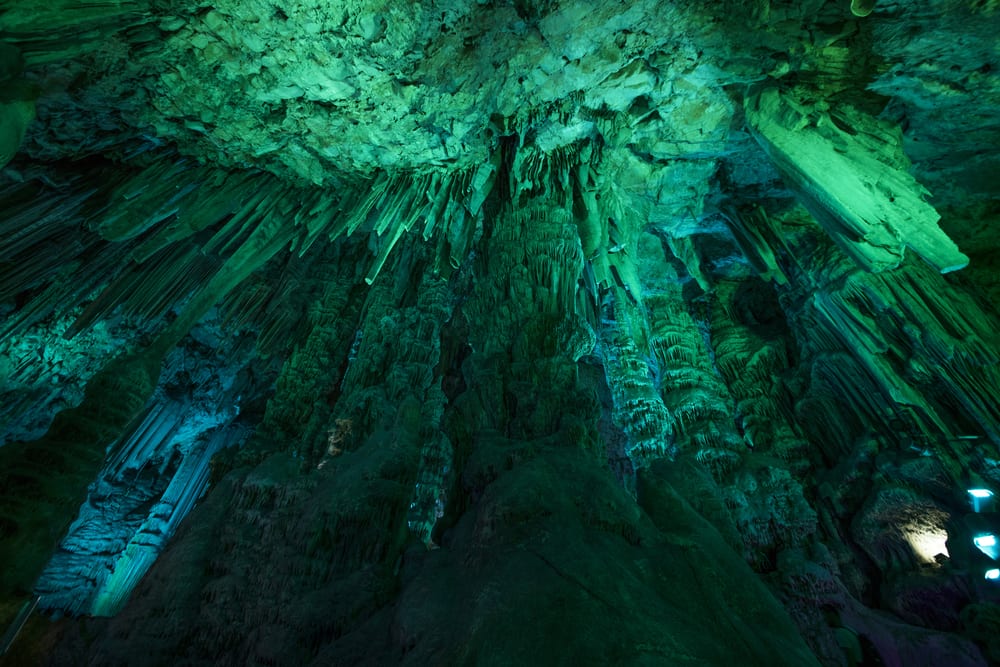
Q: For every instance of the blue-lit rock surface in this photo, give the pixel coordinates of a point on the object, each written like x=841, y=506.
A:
x=153, y=474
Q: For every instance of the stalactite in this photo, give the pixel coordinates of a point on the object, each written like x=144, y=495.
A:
x=638, y=407
x=144, y=291
x=767, y=502
x=684, y=378
x=309, y=380
x=151, y=479
x=420, y=317
x=866, y=337
x=851, y=176
x=52, y=33
x=55, y=470
x=752, y=359
x=883, y=365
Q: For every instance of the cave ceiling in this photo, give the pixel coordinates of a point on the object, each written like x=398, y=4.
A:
x=327, y=92
x=335, y=95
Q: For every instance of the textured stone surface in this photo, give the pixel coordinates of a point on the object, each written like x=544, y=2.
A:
x=499, y=332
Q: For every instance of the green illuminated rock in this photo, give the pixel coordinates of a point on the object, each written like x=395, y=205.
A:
x=853, y=179
x=459, y=333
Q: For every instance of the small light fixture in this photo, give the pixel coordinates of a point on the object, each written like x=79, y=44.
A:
x=985, y=540
x=979, y=498
x=993, y=574
x=987, y=543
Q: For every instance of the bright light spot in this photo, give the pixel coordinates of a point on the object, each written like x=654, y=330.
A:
x=985, y=541
x=979, y=497
x=993, y=574
x=928, y=542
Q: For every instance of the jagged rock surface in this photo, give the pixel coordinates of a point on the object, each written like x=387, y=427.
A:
x=499, y=332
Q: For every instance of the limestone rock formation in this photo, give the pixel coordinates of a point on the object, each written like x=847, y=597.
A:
x=493, y=332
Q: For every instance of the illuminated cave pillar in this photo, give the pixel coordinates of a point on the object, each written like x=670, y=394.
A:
x=43, y=483
x=550, y=545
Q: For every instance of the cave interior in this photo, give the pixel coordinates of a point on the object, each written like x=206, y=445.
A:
x=500, y=332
